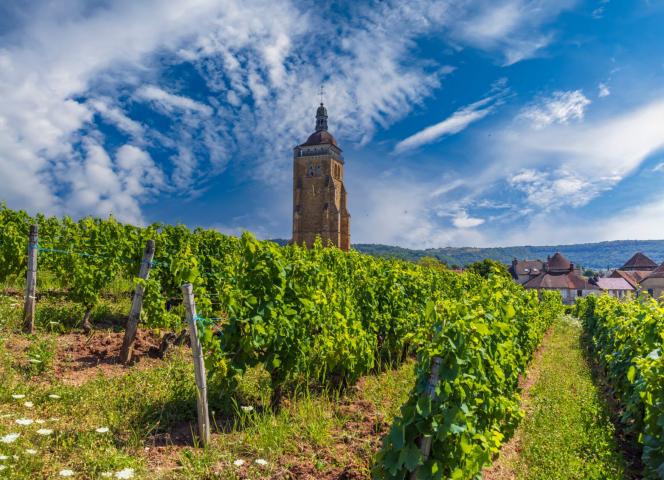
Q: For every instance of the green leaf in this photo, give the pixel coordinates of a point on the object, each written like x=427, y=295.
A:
x=410, y=457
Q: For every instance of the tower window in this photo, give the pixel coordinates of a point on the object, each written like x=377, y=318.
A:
x=310, y=170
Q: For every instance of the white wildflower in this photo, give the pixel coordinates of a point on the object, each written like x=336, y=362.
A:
x=18, y=396
x=31, y=451
x=40, y=422
x=3, y=458
x=2, y=467
x=107, y=474
x=66, y=473
x=125, y=473
x=24, y=421
x=54, y=396
x=239, y=462
x=44, y=431
x=247, y=408
x=102, y=430
x=28, y=404
x=261, y=462
x=11, y=438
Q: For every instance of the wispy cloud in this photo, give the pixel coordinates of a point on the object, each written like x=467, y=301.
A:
x=70, y=64
x=560, y=107
x=603, y=90
x=169, y=102
x=455, y=123
x=513, y=27
x=553, y=190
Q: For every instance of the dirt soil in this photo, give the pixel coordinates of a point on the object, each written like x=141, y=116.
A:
x=347, y=457
x=80, y=357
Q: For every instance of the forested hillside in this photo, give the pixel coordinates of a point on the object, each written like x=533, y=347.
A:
x=589, y=255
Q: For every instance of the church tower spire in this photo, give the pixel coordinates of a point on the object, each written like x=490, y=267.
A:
x=321, y=118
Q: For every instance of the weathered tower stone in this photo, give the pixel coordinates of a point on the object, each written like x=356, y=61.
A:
x=319, y=195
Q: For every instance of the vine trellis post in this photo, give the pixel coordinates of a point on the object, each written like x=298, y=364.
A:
x=136, y=305
x=426, y=440
x=199, y=366
x=31, y=281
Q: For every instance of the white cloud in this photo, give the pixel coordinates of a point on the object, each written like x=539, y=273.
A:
x=397, y=209
x=561, y=107
x=513, y=27
x=659, y=167
x=554, y=190
x=459, y=120
x=603, y=90
x=462, y=220
x=257, y=54
x=169, y=102
x=116, y=116
x=634, y=223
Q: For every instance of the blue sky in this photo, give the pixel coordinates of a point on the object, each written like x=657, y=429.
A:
x=463, y=123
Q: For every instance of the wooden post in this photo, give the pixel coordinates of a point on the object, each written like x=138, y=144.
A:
x=136, y=305
x=199, y=366
x=425, y=441
x=31, y=282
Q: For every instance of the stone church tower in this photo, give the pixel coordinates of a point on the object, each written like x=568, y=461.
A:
x=319, y=195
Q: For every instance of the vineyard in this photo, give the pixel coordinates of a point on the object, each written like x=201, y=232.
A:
x=311, y=324
x=627, y=340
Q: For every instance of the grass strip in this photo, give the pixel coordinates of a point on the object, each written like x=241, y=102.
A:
x=567, y=432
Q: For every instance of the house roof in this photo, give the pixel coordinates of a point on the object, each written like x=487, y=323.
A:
x=609, y=283
x=639, y=262
x=627, y=276
x=658, y=272
x=527, y=267
x=569, y=280
x=558, y=263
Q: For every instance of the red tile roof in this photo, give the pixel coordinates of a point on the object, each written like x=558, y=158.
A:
x=627, y=276
x=658, y=272
x=568, y=280
x=639, y=262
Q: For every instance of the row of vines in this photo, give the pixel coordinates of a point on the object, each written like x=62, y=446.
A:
x=321, y=317
x=627, y=338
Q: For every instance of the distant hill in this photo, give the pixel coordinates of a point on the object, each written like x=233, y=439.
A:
x=588, y=255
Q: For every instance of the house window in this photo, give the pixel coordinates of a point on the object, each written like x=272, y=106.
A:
x=651, y=292
x=579, y=293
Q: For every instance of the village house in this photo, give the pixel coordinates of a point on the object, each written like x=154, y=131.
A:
x=559, y=274
x=524, y=270
x=635, y=270
x=616, y=287
x=654, y=283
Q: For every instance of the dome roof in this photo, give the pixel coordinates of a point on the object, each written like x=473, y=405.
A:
x=558, y=263
x=319, y=138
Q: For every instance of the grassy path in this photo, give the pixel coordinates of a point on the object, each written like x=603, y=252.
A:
x=567, y=432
